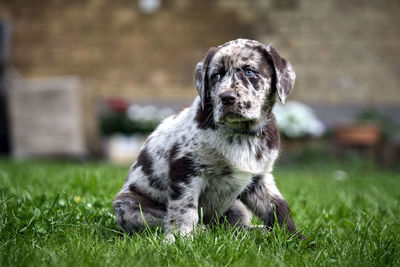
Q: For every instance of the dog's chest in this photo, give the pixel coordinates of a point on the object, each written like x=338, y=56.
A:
x=221, y=190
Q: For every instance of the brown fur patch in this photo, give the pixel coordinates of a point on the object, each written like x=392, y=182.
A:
x=204, y=118
x=283, y=215
x=180, y=174
x=145, y=201
x=145, y=161
x=270, y=138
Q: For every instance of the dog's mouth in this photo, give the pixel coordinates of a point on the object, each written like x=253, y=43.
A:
x=237, y=121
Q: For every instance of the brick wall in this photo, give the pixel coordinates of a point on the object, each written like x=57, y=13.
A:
x=344, y=52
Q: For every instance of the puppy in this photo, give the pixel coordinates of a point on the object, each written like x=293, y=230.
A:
x=215, y=158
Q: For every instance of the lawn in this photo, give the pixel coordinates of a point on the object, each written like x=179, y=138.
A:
x=59, y=213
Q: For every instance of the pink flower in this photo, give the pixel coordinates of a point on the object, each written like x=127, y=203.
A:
x=117, y=104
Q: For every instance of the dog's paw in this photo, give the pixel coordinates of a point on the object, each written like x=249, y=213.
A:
x=301, y=236
x=169, y=238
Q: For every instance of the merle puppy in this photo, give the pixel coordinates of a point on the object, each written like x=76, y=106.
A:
x=214, y=158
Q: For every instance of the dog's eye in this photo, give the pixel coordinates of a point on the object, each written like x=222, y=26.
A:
x=249, y=72
x=217, y=76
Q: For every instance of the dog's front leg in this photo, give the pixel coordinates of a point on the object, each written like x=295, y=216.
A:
x=265, y=200
x=182, y=210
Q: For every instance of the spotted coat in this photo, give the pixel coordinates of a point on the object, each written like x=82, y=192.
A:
x=214, y=160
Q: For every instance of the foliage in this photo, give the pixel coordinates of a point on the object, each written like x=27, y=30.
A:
x=121, y=118
x=55, y=213
x=114, y=122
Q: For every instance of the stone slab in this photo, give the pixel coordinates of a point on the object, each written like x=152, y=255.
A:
x=45, y=117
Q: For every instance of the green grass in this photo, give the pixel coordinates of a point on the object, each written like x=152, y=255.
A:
x=54, y=213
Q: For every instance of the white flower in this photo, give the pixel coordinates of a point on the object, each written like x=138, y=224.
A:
x=133, y=111
x=148, y=113
x=296, y=119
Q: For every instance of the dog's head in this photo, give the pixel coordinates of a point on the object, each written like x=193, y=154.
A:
x=239, y=80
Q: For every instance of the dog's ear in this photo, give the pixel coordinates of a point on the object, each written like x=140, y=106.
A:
x=201, y=76
x=285, y=74
x=199, y=79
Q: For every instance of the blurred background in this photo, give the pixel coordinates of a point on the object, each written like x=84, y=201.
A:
x=90, y=79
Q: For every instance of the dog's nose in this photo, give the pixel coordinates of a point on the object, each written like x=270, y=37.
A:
x=228, y=98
